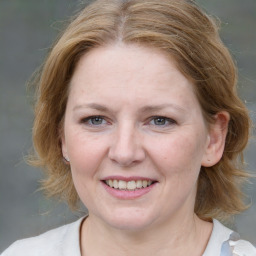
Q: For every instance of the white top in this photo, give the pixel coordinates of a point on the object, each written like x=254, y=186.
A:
x=64, y=241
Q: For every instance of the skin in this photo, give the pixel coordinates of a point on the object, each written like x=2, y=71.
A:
x=128, y=87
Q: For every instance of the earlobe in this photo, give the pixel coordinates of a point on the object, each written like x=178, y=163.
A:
x=64, y=152
x=63, y=146
x=216, y=139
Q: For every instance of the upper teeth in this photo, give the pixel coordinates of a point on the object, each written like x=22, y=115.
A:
x=129, y=185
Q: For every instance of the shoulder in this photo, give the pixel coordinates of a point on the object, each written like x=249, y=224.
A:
x=226, y=242
x=242, y=248
x=60, y=241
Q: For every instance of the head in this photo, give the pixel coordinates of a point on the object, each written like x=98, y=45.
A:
x=186, y=35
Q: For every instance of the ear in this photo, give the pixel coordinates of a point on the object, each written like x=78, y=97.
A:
x=63, y=144
x=216, y=139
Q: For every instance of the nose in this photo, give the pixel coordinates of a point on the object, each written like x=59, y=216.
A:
x=126, y=147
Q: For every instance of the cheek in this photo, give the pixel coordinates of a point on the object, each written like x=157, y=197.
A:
x=180, y=154
x=85, y=152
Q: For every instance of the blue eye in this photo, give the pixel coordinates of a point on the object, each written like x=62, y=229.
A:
x=161, y=121
x=94, y=120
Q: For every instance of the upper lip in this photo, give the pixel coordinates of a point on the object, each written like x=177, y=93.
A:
x=135, y=178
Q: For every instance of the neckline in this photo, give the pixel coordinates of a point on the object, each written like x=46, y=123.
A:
x=219, y=235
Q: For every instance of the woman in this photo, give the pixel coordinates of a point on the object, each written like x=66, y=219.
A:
x=137, y=116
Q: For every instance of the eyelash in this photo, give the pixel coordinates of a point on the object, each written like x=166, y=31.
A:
x=89, y=120
x=162, y=118
x=167, y=121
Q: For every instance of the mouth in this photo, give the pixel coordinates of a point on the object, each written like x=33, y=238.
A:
x=131, y=185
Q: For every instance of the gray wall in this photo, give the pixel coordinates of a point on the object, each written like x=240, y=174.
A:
x=27, y=30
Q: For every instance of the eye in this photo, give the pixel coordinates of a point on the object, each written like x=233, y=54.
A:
x=94, y=120
x=161, y=121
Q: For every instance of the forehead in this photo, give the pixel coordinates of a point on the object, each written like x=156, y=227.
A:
x=130, y=70
x=126, y=61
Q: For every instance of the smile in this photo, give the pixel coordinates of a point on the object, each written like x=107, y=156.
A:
x=128, y=185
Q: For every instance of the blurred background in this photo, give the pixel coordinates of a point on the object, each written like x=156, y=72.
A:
x=27, y=30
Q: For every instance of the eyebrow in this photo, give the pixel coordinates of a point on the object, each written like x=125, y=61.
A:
x=152, y=108
x=145, y=109
x=91, y=106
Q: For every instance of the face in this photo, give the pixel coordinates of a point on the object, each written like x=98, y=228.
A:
x=135, y=137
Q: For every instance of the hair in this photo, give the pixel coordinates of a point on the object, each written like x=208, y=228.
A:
x=184, y=32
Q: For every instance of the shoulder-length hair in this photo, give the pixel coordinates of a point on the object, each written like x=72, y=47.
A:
x=184, y=32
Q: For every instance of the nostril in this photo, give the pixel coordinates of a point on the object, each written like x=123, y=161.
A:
x=122, y=157
x=126, y=147
x=125, y=157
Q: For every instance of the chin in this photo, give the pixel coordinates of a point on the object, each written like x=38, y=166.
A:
x=130, y=220
x=130, y=224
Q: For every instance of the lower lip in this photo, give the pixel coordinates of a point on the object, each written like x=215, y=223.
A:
x=128, y=194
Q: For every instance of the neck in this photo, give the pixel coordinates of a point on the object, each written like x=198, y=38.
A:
x=166, y=239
